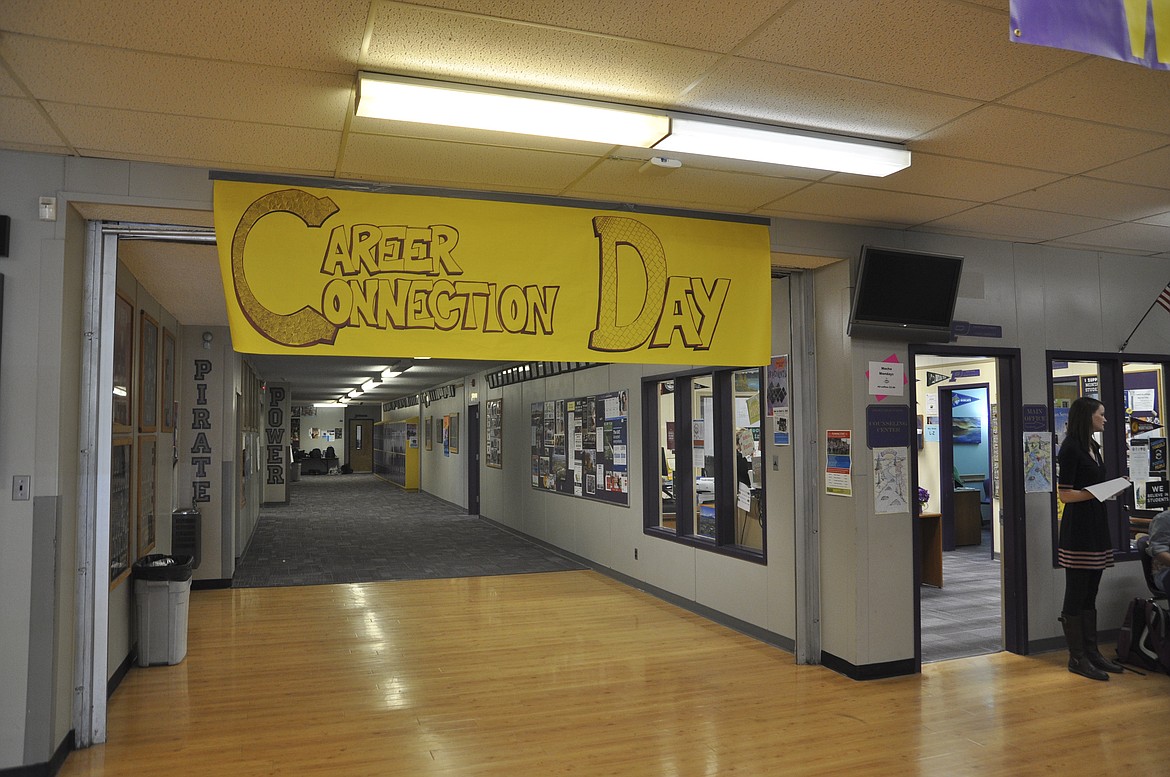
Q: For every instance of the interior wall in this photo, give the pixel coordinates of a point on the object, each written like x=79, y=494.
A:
x=327, y=419
x=443, y=474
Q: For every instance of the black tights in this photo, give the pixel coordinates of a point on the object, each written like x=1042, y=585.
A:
x=1080, y=590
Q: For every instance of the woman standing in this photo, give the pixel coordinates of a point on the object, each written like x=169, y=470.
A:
x=1085, y=547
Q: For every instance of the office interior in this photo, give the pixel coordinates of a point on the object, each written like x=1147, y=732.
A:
x=1063, y=246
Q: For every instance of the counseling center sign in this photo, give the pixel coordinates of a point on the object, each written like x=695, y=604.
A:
x=334, y=272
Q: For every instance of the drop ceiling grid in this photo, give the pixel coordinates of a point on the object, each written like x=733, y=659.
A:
x=21, y=123
x=1029, y=226
x=77, y=73
x=963, y=179
x=1105, y=91
x=1041, y=141
x=425, y=162
x=196, y=141
x=1126, y=238
x=931, y=45
x=685, y=187
x=1088, y=197
x=779, y=94
x=1149, y=169
x=313, y=34
x=869, y=205
x=419, y=41
x=685, y=23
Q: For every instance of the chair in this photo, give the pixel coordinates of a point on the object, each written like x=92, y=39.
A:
x=1143, y=544
x=985, y=503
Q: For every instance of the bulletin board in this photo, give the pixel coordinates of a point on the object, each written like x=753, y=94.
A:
x=494, y=441
x=580, y=447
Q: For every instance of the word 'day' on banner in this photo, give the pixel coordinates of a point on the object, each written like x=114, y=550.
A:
x=335, y=272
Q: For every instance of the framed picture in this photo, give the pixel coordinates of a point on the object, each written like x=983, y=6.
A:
x=427, y=432
x=121, y=467
x=454, y=432
x=147, y=520
x=123, y=363
x=148, y=376
x=170, y=408
x=494, y=456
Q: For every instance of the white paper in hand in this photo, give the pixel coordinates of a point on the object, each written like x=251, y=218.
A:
x=1108, y=489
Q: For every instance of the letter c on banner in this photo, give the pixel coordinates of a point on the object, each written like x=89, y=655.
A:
x=306, y=326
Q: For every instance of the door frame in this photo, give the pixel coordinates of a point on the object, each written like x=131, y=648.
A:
x=368, y=441
x=1014, y=561
x=473, y=459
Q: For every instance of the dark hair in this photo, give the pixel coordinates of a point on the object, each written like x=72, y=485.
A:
x=1080, y=423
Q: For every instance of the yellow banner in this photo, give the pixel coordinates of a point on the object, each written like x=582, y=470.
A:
x=334, y=272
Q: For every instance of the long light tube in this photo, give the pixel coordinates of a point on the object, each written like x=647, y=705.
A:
x=458, y=105
x=371, y=384
x=781, y=146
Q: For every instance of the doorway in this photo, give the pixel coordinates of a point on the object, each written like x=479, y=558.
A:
x=359, y=450
x=473, y=460
x=969, y=583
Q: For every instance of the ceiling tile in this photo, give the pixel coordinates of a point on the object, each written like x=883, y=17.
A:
x=8, y=87
x=685, y=187
x=866, y=204
x=1035, y=140
x=410, y=40
x=1103, y=90
x=170, y=270
x=21, y=122
x=1149, y=169
x=1126, y=237
x=1087, y=197
x=909, y=43
x=961, y=179
x=313, y=34
x=197, y=141
x=77, y=73
x=430, y=163
x=676, y=22
x=1158, y=219
x=777, y=94
x=1029, y=226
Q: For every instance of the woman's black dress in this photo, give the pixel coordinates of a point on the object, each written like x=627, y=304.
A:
x=1085, y=542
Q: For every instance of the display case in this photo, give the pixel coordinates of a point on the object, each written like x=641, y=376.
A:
x=396, y=453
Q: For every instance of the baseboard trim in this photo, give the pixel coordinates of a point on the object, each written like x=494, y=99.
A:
x=48, y=768
x=786, y=644
x=121, y=672
x=868, y=671
x=210, y=585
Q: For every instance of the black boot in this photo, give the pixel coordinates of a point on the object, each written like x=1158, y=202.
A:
x=1089, y=626
x=1078, y=662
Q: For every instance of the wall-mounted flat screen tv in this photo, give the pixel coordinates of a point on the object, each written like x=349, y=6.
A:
x=904, y=295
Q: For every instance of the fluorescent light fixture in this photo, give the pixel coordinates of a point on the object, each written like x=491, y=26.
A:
x=343, y=400
x=399, y=98
x=388, y=374
x=421, y=358
x=326, y=404
x=354, y=394
x=120, y=391
x=371, y=384
x=783, y=146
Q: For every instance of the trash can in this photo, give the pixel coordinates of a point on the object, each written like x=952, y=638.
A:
x=162, y=592
x=294, y=471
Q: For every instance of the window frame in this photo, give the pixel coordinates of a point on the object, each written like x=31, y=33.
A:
x=723, y=435
x=1111, y=374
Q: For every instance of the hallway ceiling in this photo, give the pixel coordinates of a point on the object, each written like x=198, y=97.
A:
x=1009, y=141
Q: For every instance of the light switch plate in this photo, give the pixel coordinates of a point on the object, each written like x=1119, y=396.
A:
x=21, y=488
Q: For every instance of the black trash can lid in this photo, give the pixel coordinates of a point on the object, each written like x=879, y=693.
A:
x=160, y=566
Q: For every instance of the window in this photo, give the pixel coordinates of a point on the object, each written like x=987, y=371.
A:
x=1134, y=441
x=707, y=459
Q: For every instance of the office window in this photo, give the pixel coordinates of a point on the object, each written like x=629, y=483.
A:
x=708, y=460
x=1134, y=441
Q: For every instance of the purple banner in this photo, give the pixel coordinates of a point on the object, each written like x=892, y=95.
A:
x=1118, y=29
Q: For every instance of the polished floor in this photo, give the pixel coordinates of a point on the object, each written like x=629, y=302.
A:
x=572, y=673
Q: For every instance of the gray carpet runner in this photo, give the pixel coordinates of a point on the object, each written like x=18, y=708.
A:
x=358, y=529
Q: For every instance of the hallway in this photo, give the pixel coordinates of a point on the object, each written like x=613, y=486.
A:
x=574, y=673
x=360, y=529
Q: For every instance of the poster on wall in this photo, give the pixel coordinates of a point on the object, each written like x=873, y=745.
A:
x=427, y=432
x=121, y=465
x=147, y=520
x=777, y=398
x=890, y=481
x=580, y=446
x=446, y=435
x=494, y=455
x=838, y=462
x=453, y=432
x=1037, y=462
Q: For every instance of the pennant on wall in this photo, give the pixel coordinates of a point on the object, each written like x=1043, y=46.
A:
x=1136, y=31
x=935, y=377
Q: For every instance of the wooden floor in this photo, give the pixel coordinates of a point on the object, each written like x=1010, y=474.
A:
x=574, y=673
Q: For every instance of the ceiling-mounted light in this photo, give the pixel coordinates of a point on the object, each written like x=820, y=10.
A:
x=504, y=110
x=354, y=394
x=371, y=384
x=390, y=373
x=783, y=146
x=343, y=400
